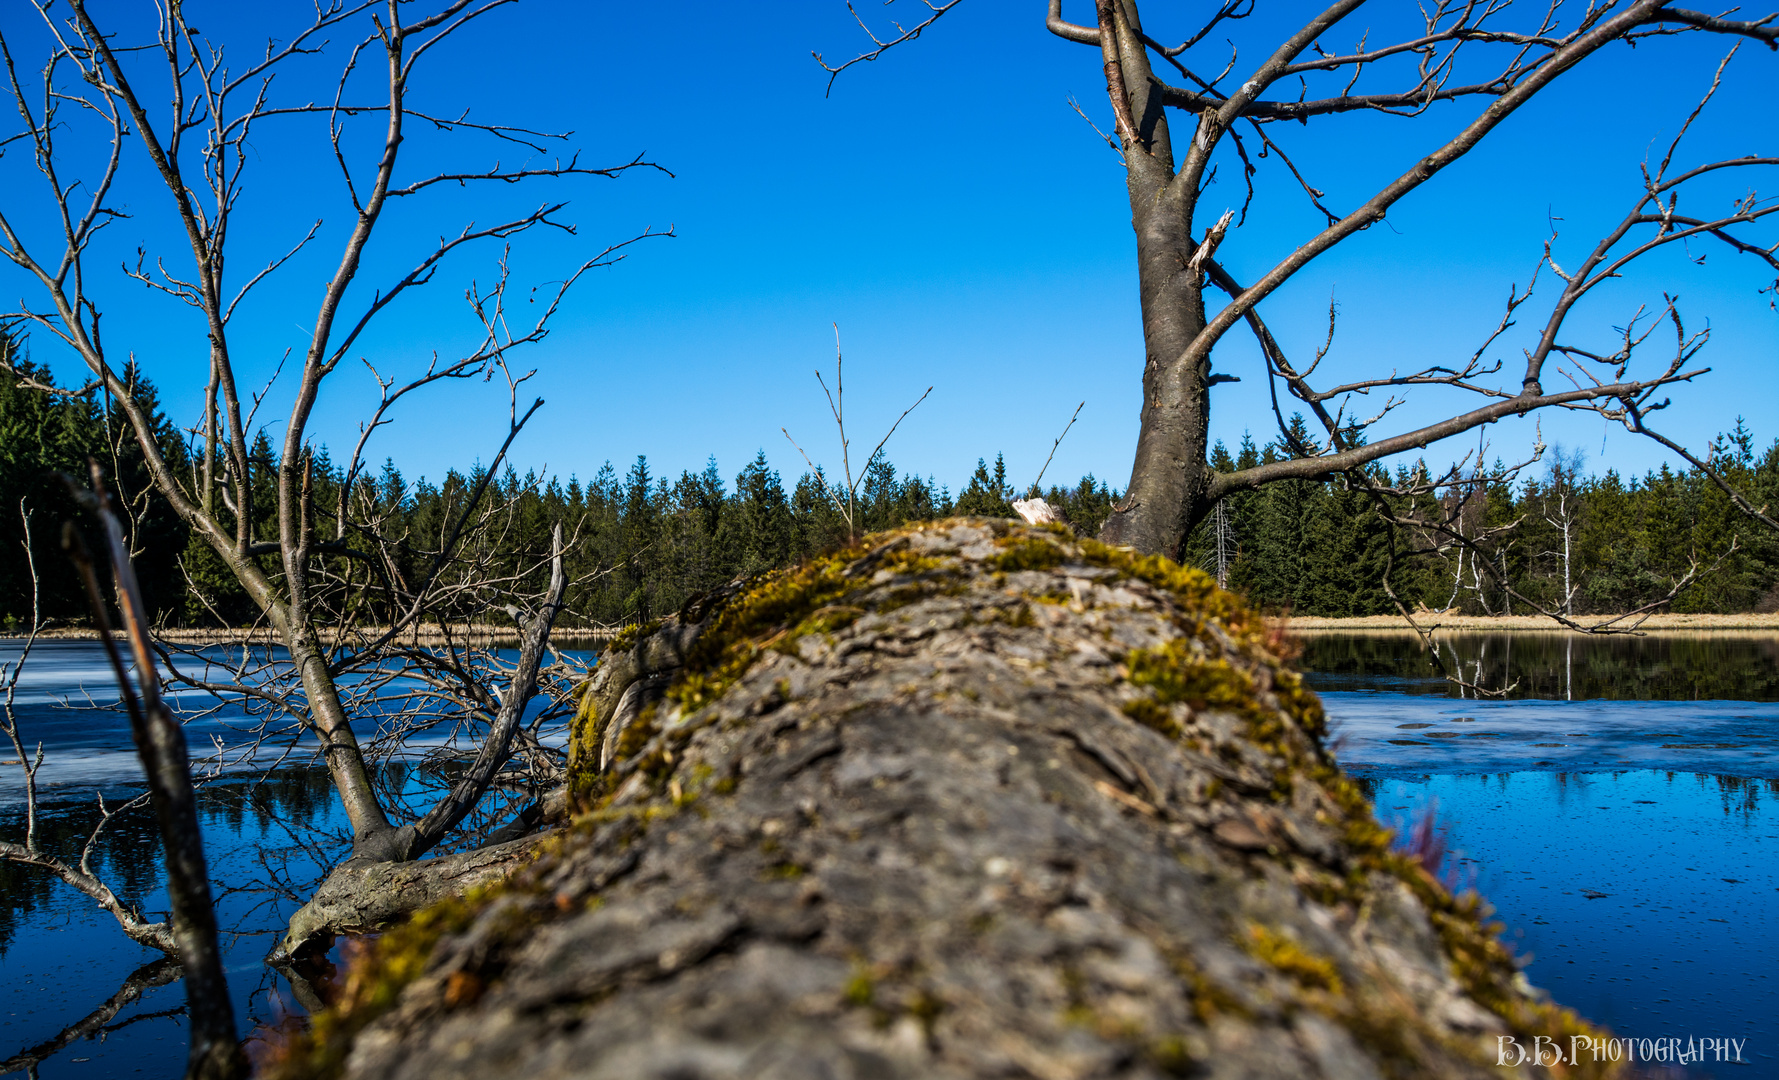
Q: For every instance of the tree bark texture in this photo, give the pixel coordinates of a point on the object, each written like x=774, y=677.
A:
x=967, y=799
x=364, y=897
x=215, y=1051
x=1169, y=477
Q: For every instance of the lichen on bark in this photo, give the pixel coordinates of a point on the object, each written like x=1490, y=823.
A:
x=964, y=799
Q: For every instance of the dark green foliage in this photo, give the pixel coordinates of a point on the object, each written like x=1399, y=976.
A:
x=43, y=434
x=987, y=495
x=1320, y=548
x=642, y=545
x=1086, y=505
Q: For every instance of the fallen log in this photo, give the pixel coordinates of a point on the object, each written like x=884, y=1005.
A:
x=363, y=897
x=966, y=799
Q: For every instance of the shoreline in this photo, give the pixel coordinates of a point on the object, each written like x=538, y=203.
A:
x=1661, y=622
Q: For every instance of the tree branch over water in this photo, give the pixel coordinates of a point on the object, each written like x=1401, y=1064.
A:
x=160, y=742
x=105, y=135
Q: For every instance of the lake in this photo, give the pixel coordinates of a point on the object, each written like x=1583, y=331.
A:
x=1616, y=807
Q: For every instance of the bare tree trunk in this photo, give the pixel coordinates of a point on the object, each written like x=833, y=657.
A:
x=1568, y=590
x=215, y=1052
x=1220, y=517
x=1169, y=478
x=339, y=746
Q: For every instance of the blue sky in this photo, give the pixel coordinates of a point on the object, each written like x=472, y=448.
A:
x=963, y=226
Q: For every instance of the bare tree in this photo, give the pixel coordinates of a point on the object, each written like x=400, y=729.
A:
x=847, y=507
x=78, y=873
x=158, y=118
x=1466, y=51
x=1561, y=512
x=1441, y=516
x=215, y=1050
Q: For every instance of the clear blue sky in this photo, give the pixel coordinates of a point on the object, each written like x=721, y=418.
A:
x=961, y=224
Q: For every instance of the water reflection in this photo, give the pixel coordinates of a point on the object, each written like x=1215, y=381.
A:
x=1696, y=666
x=1644, y=900
x=268, y=839
x=249, y=815
x=99, y=1024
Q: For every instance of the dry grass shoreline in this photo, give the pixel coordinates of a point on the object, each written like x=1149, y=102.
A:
x=1663, y=622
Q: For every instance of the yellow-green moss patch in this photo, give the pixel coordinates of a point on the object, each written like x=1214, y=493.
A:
x=1286, y=956
x=375, y=978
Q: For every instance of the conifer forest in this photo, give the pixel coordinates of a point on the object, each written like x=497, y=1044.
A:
x=642, y=544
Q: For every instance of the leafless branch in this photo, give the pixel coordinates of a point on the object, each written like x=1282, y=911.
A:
x=881, y=44
x=1065, y=433
x=837, y=407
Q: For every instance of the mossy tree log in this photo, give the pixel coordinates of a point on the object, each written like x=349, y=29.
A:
x=967, y=799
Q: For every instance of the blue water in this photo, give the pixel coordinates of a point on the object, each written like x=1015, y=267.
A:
x=67, y=699
x=1645, y=900
x=1379, y=733
x=1627, y=847
x=63, y=958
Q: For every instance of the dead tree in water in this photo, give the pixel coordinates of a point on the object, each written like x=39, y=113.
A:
x=160, y=123
x=160, y=743
x=77, y=873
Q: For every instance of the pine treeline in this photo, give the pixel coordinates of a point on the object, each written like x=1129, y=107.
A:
x=43, y=434
x=644, y=544
x=1321, y=549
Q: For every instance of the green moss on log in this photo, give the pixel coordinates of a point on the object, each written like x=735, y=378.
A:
x=1224, y=659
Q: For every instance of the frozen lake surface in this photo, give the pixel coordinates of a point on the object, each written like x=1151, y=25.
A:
x=1626, y=842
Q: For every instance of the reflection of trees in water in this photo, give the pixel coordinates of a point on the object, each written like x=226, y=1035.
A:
x=1554, y=665
x=268, y=834
x=98, y=1022
x=128, y=853
x=1740, y=794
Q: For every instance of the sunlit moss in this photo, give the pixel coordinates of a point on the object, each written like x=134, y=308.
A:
x=1225, y=659
x=1172, y=1055
x=827, y=620
x=583, y=730
x=861, y=987
x=1151, y=714
x=1026, y=553
x=1288, y=957
x=625, y=640
x=374, y=980
x=751, y=621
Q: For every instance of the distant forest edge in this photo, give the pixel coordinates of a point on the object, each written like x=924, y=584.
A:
x=644, y=544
